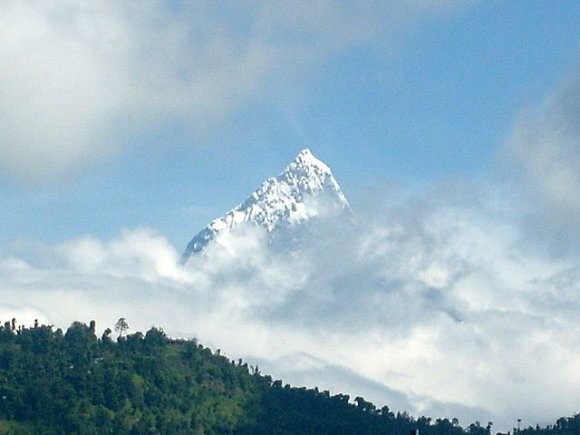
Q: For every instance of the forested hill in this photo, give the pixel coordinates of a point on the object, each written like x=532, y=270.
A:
x=55, y=382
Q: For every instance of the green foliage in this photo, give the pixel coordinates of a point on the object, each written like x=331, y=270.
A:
x=563, y=426
x=52, y=383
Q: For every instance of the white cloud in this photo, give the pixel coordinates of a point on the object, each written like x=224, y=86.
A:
x=79, y=79
x=436, y=305
x=61, y=82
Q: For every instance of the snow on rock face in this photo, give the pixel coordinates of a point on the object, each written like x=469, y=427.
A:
x=304, y=190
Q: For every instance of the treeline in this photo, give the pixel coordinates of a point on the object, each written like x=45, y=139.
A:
x=55, y=382
x=562, y=426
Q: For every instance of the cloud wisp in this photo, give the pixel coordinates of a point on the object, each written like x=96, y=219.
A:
x=544, y=148
x=80, y=81
x=429, y=304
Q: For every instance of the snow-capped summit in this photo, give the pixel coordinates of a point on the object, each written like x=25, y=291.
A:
x=306, y=189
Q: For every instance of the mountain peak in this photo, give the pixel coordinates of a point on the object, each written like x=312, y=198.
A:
x=306, y=158
x=306, y=189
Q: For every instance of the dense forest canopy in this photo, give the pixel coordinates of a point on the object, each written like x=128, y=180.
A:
x=54, y=382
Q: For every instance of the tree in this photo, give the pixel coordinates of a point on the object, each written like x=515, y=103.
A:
x=121, y=326
x=155, y=337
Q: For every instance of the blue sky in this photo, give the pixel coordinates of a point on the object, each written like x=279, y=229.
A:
x=429, y=94
x=452, y=126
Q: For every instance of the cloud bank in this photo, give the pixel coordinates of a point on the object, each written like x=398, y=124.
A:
x=80, y=82
x=434, y=305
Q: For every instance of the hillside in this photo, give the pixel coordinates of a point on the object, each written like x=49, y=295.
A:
x=54, y=382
